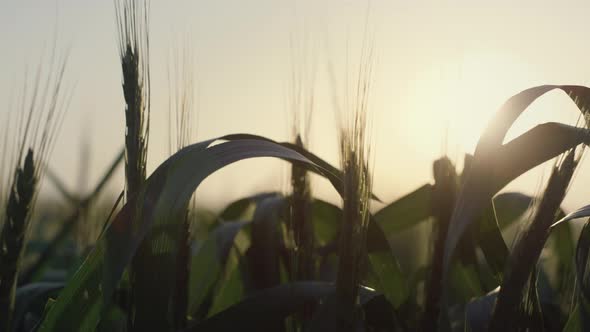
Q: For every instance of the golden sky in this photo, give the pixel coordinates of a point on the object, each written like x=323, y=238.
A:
x=441, y=69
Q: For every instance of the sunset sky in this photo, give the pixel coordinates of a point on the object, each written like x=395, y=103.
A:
x=441, y=70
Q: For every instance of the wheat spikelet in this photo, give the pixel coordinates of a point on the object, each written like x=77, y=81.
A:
x=132, y=24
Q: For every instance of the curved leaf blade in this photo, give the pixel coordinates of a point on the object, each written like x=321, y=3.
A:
x=579, y=213
x=165, y=195
x=495, y=164
x=487, y=177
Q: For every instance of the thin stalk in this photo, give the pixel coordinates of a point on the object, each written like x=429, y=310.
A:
x=301, y=222
x=301, y=105
x=180, y=124
x=302, y=228
x=445, y=190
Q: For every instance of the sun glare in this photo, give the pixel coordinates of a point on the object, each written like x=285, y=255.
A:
x=455, y=100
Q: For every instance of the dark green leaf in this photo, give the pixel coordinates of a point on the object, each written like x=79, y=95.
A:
x=406, y=211
x=114, y=320
x=563, y=249
x=232, y=288
x=491, y=242
x=578, y=320
x=479, y=311
x=465, y=282
x=207, y=265
x=582, y=255
x=385, y=273
x=387, y=277
x=510, y=207
x=326, y=221
x=270, y=306
x=33, y=294
x=263, y=255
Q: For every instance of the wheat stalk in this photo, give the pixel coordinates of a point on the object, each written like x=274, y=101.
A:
x=444, y=193
x=355, y=152
x=301, y=105
x=132, y=24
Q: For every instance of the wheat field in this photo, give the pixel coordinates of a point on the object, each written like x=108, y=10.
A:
x=461, y=251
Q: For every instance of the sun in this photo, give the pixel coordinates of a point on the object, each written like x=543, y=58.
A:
x=454, y=99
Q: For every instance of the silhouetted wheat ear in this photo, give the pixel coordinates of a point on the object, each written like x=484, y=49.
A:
x=355, y=151
x=30, y=131
x=354, y=155
x=132, y=23
x=12, y=238
x=135, y=135
x=352, y=248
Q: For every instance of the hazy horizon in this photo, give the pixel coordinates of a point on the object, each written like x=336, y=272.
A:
x=440, y=73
